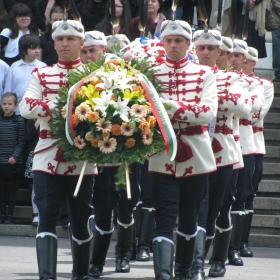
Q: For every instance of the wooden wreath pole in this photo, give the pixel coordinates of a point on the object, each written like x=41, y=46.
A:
x=80, y=179
x=127, y=181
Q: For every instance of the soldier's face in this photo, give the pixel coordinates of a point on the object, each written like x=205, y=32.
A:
x=207, y=54
x=92, y=53
x=176, y=46
x=248, y=66
x=68, y=47
x=237, y=60
x=223, y=60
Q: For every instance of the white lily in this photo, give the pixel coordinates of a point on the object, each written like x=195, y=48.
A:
x=115, y=80
x=103, y=102
x=121, y=108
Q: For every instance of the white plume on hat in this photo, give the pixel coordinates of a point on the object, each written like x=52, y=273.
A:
x=227, y=44
x=252, y=54
x=95, y=38
x=207, y=37
x=240, y=46
x=68, y=28
x=175, y=27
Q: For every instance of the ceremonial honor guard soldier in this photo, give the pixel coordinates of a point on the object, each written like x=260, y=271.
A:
x=244, y=186
x=106, y=196
x=53, y=176
x=257, y=124
x=207, y=44
x=230, y=94
x=179, y=185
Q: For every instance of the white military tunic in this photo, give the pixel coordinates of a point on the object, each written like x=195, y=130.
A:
x=256, y=97
x=257, y=118
x=39, y=99
x=191, y=90
x=227, y=150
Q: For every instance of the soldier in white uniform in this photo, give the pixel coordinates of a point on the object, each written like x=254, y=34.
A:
x=54, y=177
x=244, y=185
x=257, y=123
x=179, y=185
x=230, y=101
x=230, y=83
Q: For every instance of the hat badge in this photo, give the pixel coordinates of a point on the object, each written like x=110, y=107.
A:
x=64, y=26
x=173, y=26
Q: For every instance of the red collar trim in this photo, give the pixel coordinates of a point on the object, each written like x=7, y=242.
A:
x=177, y=64
x=69, y=64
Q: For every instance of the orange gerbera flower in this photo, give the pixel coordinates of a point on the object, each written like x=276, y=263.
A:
x=130, y=142
x=116, y=129
x=75, y=120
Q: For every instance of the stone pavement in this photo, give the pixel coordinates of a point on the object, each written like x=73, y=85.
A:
x=18, y=262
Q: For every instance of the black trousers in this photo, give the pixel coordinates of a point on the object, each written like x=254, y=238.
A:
x=50, y=191
x=224, y=220
x=145, y=185
x=176, y=196
x=257, y=177
x=244, y=186
x=107, y=197
x=217, y=195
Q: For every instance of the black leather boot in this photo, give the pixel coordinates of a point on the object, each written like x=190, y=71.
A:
x=208, y=243
x=100, y=245
x=123, y=247
x=80, y=256
x=163, y=252
x=236, y=234
x=199, y=256
x=184, y=257
x=146, y=230
x=244, y=249
x=46, y=247
x=219, y=253
x=136, y=229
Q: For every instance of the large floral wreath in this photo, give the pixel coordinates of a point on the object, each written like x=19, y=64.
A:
x=105, y=117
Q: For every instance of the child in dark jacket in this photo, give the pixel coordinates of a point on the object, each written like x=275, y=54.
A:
x=12, y=131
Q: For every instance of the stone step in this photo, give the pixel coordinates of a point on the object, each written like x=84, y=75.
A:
x=27, y=230
x=271, y=168
x=275, y=103
x=272, y=152
x=272, y=120
x=269, y=186
x=264, y=73
x=266, y=224
x=276, y=88
x=271, y=136
x=267, y=205
x=264, y=240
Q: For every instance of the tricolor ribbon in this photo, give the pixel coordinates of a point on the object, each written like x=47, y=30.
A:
x=163, y=120
x=69, y=129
